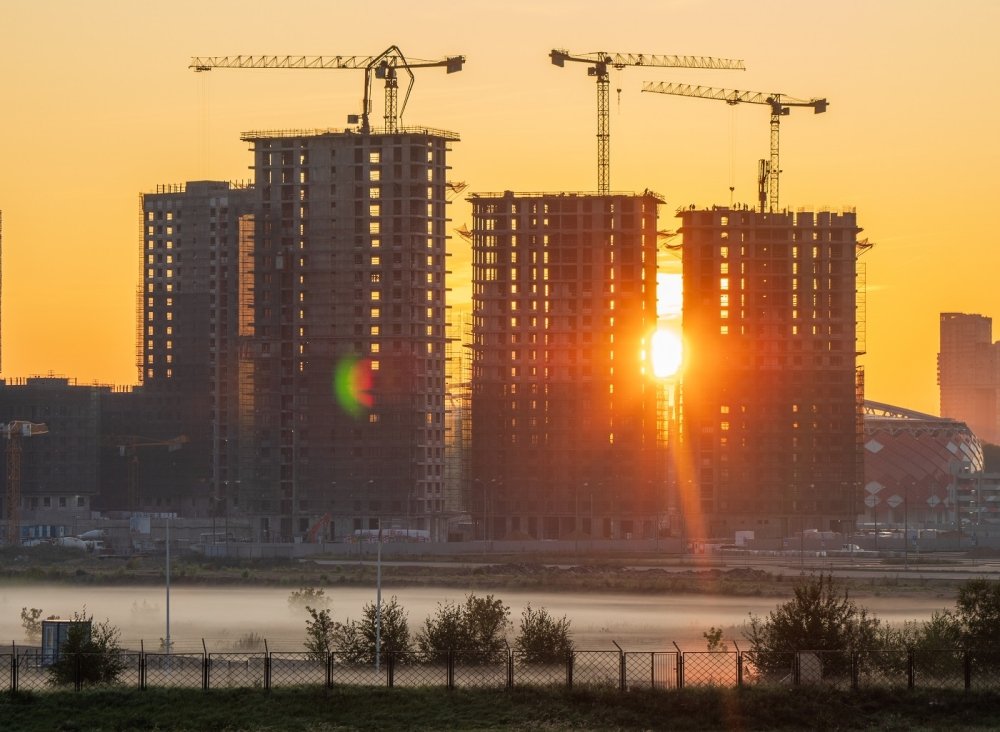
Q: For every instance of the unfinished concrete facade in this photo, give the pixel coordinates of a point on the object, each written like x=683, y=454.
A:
x=343, y=340
x=771, y=402
x=564, y=426
x=187, y=350
x=969, y=373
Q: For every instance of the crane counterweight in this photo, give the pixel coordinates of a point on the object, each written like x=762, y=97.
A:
x=382, y=66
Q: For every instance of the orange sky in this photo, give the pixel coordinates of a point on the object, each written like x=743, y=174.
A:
x=98, y=106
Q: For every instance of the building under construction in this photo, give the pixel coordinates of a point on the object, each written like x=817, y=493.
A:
x=969, y=373
x=187, y=348
x=564, y=423
x=771, y=431
x=342, y=343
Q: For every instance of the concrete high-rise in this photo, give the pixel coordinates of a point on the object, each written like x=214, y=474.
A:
x=969, y=373
x=187, y=348
x=343, y=342
x=771, y=401
x=564, y=405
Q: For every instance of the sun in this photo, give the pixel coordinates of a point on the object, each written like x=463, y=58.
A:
x=667, y=352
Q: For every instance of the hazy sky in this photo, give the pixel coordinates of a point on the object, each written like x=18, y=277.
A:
x=99, y=106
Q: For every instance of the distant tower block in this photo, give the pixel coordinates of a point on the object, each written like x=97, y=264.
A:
x=564, y=430
x=771, y=427
x=969, y=373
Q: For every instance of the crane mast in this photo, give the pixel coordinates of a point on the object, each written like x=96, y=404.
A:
x=385, y=65
x=15, y=432
x=769, y=169
x=600, y=64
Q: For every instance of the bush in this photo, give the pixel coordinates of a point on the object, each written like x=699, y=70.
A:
x=249, y=643
x=977, y=613
x=819, y=617
x=543, y=639
x=31, y=621
x=443, y=632
x=91, y=653
x=320, y=632
x=356, y=639
x=713, y=640
x=479, y=625
x=306, y=597
x=487, y=619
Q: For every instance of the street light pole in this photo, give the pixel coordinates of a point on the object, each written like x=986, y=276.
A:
x=906, y=527
x=378, y=599
x=166, y=640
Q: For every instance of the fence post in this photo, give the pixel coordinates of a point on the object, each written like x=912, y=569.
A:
x=621, y=667
x=797, y=669
x=909, y=669
x=680, y=665
x=510, y=666
x=267, y=666
x=142, y=669
x=968, y=670
x=569, y=669
x=329, y=670
x=390, y=668
x=451, y=669
x=78, y=675
x=739, y=669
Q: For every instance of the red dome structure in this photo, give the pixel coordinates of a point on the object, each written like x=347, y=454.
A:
x=919, y=469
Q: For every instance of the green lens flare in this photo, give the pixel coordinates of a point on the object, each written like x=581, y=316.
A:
x=352, y=384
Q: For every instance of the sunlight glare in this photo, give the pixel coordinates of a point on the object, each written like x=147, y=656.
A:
x=667, y=352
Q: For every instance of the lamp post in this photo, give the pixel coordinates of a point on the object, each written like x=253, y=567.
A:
x=378, y=599
x=166, y=640
x=906, y=528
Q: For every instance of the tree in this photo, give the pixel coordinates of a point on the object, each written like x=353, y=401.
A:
x=713, y=638
x=543, y=639
x=977, y=611
x=356, y=639
x=320, y=632
x=487, y=620
x=31, y=621
x=819, y=617
x=91, y=654
x=305, y=597
x=478, y=625
x=443, y=632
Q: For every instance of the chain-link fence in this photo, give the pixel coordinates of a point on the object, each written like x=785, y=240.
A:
x=596, y=669
x=300, y=669
x=27, y=669
x=237, y=670
x=768, y=669
x=529, y=671
x=651, y=669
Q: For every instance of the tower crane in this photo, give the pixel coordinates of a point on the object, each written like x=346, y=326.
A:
x=780, y=104
x=385, y=65
x=128, y=447
x=14, y=432
x=600, y=64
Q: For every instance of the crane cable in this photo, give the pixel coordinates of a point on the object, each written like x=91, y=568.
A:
x=205, y=113
x=733, y=129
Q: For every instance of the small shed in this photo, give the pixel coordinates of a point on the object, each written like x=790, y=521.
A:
x=55, y=632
